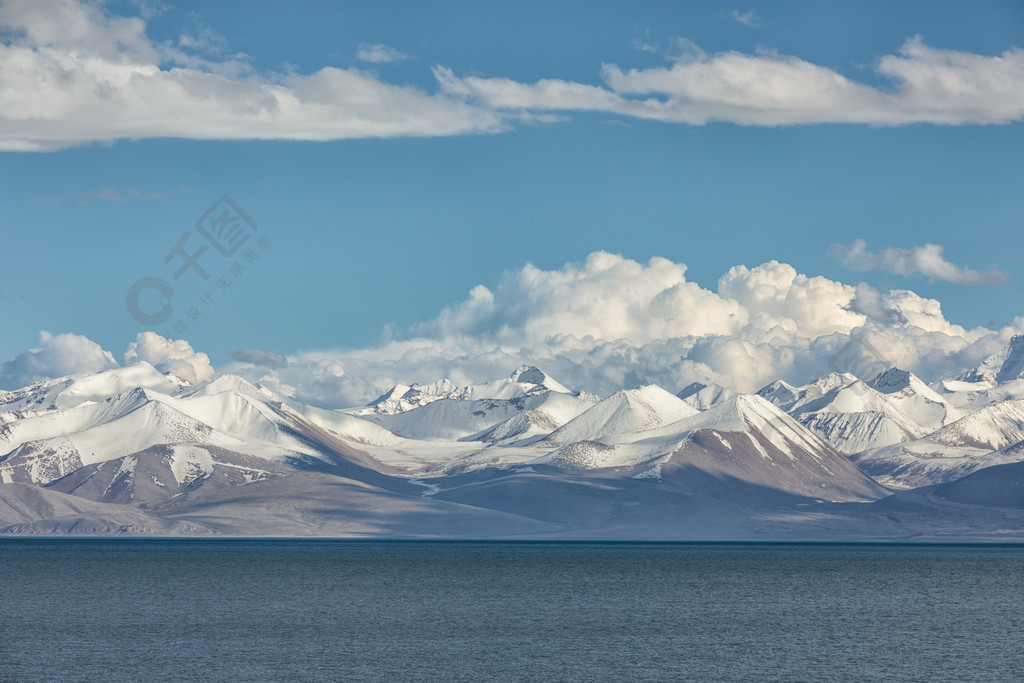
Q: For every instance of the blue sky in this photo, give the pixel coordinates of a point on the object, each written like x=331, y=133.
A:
x=375, y=231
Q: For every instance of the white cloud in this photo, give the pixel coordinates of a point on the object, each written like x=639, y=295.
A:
x=783, y=302
x=547, y=94
x=637, y=302
x=925, y=260
x=59, y=355
x=175, y=356
x=646, y=303
x=947, y=86
x=72, y=73
x=379, y=54
x=600, y=325
x=611, y=322
x=645, y=46
x=768, y=89
x=750, y=19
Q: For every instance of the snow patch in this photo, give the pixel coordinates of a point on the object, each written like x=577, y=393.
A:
x=189, y=463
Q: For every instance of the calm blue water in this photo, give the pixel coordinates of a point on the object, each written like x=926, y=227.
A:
x=144, y=610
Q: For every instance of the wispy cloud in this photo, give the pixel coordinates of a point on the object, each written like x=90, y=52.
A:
x=148, y=9
x=768, y=89
x=259, y=357
x=924, y=260
x=203, y=38
x=379, y=54
x=645, y=43
x=98, y=77
x=749, y=18
x=644, y=46
x=113, y=194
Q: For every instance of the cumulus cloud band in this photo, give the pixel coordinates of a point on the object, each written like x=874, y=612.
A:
x=610, y=322
x=600, y=325
x=175, y=356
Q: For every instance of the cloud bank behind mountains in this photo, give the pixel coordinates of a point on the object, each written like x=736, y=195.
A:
x=602, y=324
x=57, y=356
x=175, y=356
x=609, y=323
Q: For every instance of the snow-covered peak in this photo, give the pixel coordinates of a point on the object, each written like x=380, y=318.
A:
x=992, y=427
x=542, y=414
x=893, y=380
x=68, y=392
x=139, y=374
x=780, y=393
x=738, y=413
x=902, y=384
x=1005, y=365
x=467, y=418
x=794, y=399
x=442, y=387
x=856, y=397
x=917, y=400
x=526, y=380
x=741, y=413
x=632, y=410
x=852, y=416
x=703, y=396
x=401, y=398
x=691, y=389
x=529, y=374
x=231, y=383
x=394, y=393
x=834, y=380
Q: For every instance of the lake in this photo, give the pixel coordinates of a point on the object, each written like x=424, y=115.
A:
x=154, y=609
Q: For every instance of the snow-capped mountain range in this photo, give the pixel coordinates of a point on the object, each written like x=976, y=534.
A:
x=133, y=450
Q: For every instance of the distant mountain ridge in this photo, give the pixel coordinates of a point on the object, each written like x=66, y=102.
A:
x=156, y=454
x=1003, y=366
